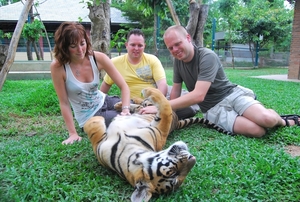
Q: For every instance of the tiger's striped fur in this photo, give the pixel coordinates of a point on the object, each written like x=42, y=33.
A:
x=132, y=147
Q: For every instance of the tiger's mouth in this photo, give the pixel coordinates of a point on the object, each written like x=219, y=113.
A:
x=192, y=157
x=191, y=162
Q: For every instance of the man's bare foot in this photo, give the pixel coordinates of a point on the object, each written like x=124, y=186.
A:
x=291, y=120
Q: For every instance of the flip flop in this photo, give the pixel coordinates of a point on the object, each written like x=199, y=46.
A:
x=293, y=117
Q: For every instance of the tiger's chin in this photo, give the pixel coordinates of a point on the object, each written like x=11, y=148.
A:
x=172, y=166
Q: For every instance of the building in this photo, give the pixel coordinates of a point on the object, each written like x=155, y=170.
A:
x=53, y=12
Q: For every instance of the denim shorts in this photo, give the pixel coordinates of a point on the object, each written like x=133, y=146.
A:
x=225, y=112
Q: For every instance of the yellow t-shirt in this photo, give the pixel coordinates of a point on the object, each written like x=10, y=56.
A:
x=139, y=76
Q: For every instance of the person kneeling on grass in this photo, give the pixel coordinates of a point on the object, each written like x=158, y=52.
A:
x=75, y=73
x=230, y=106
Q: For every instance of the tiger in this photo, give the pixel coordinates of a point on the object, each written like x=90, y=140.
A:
x=132, y=146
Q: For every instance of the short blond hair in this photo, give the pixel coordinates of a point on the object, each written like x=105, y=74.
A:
x=177, y=28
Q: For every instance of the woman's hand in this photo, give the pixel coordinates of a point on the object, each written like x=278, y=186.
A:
x=125, y=112
x=73, y=138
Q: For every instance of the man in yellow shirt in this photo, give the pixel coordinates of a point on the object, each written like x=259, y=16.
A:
x=141, y=70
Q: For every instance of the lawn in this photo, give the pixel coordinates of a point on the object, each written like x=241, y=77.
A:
x=35, y=166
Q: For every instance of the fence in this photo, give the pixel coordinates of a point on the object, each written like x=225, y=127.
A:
x=244, y=58
x=241, y=58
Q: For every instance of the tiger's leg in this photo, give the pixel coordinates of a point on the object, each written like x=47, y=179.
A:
x=137, y=100
x=96, y=130
x=175, y=121
x=163, y=119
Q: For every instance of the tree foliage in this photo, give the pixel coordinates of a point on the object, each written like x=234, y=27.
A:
x=250, y=19
x=143, y=14
x=246, y=19
x=132, y=13
x=5, y=2
x=269, y=19
x=33, y=31
x=118, y=40
x=150, y=7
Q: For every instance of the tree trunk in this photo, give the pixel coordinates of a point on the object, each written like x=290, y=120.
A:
x=251, y=51
x=28, y=50
x=193, y=20
x=197, y=20
x=155, y=34
x=37, y=52
x=47, y=37
x=3, y=54
x=173, y=12
x=41, y=52
x=294, y=63
x=29, y=41
x=198, y=37
x=14, y=42
x=231, y=50
x=100, y=27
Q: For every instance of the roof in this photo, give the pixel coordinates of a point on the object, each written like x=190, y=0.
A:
x=58, y=11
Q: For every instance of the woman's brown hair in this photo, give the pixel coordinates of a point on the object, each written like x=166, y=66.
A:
x=69, y=33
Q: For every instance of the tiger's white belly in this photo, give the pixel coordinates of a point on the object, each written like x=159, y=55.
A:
x=122, y=132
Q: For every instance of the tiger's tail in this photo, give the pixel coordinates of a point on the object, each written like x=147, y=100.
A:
x=189, y=121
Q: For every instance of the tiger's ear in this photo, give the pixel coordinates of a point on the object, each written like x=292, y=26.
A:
x=141, y=192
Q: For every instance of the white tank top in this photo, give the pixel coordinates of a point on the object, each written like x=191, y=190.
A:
x=85, y=98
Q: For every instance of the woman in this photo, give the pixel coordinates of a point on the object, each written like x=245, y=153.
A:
x=75, y=73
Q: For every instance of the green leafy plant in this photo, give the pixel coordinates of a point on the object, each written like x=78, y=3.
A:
x=118, y=40
x=33, y=31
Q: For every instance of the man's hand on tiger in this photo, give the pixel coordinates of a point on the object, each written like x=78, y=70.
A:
x=148, y=110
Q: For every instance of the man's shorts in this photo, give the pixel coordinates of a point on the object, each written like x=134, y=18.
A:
x=225, y=112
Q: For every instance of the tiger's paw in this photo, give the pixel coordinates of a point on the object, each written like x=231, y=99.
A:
x=137, y=100
x=118, y=106
x=154, y=96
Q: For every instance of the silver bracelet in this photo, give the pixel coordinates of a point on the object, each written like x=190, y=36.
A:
x=125, y=107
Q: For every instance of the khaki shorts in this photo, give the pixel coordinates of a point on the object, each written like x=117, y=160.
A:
x=225, y=112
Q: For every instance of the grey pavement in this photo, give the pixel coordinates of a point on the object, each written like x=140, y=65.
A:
x=278, y=77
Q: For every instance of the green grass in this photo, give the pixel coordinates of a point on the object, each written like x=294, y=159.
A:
x=40, y=168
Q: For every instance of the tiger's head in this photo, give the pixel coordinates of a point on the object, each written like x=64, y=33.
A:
x=164, y=171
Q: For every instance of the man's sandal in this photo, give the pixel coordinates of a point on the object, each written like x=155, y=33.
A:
x=293, y=117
